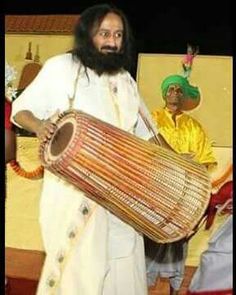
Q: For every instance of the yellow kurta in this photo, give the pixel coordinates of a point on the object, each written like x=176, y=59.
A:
x=185, y=136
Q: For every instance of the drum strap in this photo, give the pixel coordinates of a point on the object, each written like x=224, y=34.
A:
x=147, y=119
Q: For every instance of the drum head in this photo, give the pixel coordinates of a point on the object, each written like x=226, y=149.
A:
x=67, y=135
x=61, y=139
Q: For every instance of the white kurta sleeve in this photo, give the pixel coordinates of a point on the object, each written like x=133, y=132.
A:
x=36, y=97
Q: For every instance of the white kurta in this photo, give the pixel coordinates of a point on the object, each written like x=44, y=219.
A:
x=215, y=272
x=89, y=250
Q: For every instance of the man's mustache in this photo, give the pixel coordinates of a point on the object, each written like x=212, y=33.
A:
x=111, y=48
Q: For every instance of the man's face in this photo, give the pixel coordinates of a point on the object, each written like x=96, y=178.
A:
x=174, y=98
x=108, y=37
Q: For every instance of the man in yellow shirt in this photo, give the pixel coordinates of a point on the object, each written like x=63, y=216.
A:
x=185, y=136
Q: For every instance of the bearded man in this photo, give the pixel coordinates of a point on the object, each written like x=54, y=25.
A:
x=89, y=251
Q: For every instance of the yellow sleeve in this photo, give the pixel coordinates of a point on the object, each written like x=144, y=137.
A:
x=155, y=116
x=201, y=146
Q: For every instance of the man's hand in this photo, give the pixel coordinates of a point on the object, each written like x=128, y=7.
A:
x=42, y=128
x=45, y=130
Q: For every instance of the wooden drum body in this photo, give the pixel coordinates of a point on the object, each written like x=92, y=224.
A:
x=158, y=192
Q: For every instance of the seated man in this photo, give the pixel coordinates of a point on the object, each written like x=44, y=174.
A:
x=185, y=136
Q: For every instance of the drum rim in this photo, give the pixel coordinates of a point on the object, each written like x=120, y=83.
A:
x=45, y=155
x=71, y=120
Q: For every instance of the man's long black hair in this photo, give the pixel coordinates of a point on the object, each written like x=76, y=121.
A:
x=84, y=49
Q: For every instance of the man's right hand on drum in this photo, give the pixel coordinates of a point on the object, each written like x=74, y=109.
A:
x=42, y=128
x=45, y=130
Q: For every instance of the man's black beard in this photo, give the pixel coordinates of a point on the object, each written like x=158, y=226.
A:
x=109, y=63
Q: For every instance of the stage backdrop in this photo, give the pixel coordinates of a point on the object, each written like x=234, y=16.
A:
x=212, y=74
x=16, y=47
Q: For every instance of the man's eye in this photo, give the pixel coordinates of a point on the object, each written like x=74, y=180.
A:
x=179, y=91
x=104, y=34
x=118, y=35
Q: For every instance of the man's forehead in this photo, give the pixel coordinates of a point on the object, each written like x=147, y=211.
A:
x=106, y=24
x=111, y=20
x=175, y=86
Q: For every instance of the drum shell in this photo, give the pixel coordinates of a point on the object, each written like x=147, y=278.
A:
x=159, y=193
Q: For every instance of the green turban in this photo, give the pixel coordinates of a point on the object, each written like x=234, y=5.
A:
x=191, y=93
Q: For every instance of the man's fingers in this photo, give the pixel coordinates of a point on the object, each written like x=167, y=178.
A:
x=51, y=128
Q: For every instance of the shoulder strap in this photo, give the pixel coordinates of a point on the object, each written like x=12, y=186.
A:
x=147, y=119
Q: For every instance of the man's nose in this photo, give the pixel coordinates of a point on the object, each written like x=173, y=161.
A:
x=111, y=40
x=174, y=93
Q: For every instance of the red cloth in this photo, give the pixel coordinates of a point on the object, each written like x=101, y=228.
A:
x=213, y=292
x=223, y=194
x=8, y=124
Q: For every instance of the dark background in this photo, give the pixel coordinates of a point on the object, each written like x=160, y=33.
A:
x=161, y=26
